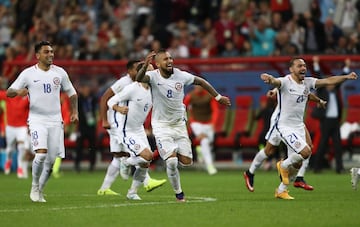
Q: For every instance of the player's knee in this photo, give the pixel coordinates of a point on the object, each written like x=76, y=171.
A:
x=172, y=162
x=185, y=161
x=269, y=149
x=147, y=155
x=306, y=152
x=297, y=165
x=40, y=157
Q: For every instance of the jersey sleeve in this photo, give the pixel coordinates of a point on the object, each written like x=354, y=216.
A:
x=67, y=86
x=151, y=75
x=118, y=85
x=122, y=96
x=20, y=82
x=187, y=77
x=312, y=82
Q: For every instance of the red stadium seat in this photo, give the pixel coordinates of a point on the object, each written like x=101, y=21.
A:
x=240, y=124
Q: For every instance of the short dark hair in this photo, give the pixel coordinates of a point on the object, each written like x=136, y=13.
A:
x=40, y=44
x=131, y=64
x=293, y=59
x=162, y=50
x=139, y=66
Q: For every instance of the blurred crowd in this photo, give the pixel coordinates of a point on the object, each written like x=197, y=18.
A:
x=129, y=29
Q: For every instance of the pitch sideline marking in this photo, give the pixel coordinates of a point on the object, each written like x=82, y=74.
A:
x=189, y=200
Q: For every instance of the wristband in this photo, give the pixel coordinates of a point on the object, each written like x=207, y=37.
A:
x=218, y=97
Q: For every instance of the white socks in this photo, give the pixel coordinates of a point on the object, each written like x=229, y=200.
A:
x=173, y=173
x=138, y=179
x=206, y=151
x=46, y=172
x=257, y=161
x=111, y=173
x=303, y=167
x=135, y=160
x=292, y=159
x=37, y=167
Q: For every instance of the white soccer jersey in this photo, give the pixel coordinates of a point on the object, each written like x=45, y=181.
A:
x=292, y=100
x=138, y=99
x=44, y=91
x=168, y=95
x=121, y=83
x=117, y=87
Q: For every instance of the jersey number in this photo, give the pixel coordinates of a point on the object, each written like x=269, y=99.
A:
x=169, y=94
x=47, y=88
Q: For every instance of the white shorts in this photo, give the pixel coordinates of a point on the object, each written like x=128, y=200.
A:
x=135, y=142
x=273, y=136
x=172, y=138
x=116, y=141
x=15, y=135
x=294, y=138
x=49, y=136
x=202, y=128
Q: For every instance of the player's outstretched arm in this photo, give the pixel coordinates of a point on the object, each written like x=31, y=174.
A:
x=269, y=79
x=334, y=80
x=207, y=86
x=140, y=76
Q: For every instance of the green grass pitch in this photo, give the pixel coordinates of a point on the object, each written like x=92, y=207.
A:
x=219, y=200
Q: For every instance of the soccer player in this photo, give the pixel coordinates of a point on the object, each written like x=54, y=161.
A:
x=43, y=83
x=203, y=113
x=136, y=98
x=272, y=142
x=109, y=122
x=16, y=132
x=293, y=94
x=168, y=117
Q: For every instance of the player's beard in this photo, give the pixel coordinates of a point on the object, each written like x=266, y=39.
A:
x=168, y=71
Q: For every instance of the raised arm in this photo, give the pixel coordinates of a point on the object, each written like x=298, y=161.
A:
x=207, y=86
x=140, y=76
x=334, y=80
x=269, y=79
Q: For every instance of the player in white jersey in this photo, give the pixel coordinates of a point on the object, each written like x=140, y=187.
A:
x=110, y=123
x=294, y=90
x=273, y=140
x=169, y=113
x=43, y=83
x=131, y=133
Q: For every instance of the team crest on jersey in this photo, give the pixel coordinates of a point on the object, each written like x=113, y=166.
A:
x=306, y=91
x=297, y=144
x=56, y=80
x=136, y=147
x=178, y=86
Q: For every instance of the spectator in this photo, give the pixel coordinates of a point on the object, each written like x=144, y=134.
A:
x=178, y=49
x=315, y=38
x=262, y=38
x=224, y=29
x=230, y=50
x=87, y=126
x=329, y=122
x=333, y=33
